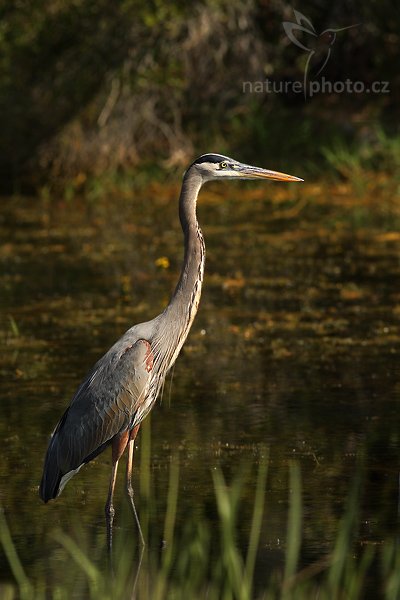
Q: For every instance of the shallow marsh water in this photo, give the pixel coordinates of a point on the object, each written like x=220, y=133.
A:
x=295, y=348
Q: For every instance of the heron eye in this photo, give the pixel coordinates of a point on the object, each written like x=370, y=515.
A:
x=223, y=165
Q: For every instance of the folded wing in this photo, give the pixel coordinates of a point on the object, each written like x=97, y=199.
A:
x=104, y=406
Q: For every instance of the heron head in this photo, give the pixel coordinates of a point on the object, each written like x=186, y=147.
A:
x=216, y=166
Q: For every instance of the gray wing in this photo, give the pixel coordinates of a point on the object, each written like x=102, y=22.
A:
x=104, y=405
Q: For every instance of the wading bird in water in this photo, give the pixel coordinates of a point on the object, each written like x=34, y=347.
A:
x=121, y=389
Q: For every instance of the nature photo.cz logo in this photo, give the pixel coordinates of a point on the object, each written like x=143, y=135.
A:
x=319, y=48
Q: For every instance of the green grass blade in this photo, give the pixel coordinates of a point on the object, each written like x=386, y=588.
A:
x=357, y=575
x=13, y=326
x=169, y=526
x=294, y=523
x=343, y=540
x=92, y=573
x=145, y=457
x=145, y=481
x=256, y=522
x=232, y=565
x=172, y=500
x=24, y=585
x=391, y=569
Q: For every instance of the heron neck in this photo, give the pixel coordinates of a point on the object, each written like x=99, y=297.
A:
x=185, y=299
x=174, y=323
x=191, y=185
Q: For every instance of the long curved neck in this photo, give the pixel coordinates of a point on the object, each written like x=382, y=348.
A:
x=188, y=289
x=178, y=316
x=173, y=324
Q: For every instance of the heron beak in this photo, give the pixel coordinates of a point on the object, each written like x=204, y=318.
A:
x=258, y=173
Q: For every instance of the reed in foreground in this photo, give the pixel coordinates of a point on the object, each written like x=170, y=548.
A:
x=197, y=564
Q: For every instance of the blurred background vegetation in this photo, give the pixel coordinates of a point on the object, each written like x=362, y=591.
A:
x=102, y=106
x=92, y=86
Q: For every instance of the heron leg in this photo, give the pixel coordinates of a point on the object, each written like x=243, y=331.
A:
x=118, y=446
x=109, y=508
x=129, y=487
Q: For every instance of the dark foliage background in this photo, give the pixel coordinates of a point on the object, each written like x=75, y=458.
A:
x=92, y=85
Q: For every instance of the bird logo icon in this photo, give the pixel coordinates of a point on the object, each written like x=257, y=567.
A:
x=319, y=45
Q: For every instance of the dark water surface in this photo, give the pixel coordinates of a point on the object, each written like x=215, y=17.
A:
x=295, y=347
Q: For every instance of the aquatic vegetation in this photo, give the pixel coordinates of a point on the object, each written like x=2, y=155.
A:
x=187, y=567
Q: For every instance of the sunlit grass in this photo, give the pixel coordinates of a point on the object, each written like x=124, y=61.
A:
x=360, y=162
x=317, y=150
x=187, y=568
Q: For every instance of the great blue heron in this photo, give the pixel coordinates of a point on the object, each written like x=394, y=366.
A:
x=120, y=390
